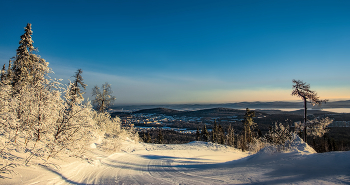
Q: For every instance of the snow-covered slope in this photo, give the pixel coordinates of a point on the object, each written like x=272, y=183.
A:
x=194, y=163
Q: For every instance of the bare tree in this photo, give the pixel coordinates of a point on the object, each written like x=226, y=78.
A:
x=103, y=99
x=302, y=90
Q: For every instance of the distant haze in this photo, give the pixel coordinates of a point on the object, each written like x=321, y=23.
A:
x=337, y=106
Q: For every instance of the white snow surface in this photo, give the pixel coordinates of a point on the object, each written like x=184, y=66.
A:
x=192, y=163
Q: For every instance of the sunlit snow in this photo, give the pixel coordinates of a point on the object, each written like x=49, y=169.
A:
x=194, y=163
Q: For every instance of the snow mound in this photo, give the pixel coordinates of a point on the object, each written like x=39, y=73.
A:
x=297, y=147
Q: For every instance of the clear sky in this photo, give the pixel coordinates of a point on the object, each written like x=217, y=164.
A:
x=183, y=51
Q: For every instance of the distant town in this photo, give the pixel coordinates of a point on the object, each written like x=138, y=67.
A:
x=189, y=121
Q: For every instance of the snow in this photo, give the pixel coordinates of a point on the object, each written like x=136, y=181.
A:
x=192, y=163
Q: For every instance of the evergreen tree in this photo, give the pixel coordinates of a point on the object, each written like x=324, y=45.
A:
x=9, y=73
x=28, y=68
x=103, y=99
x=214, y=137
x=198, y=135
x=160, y=137
x=149, y=139
x=230, y=136
x=205, y=134
x=260, y=133
x=144, y=137
x=3, y=73
x=248, y=124
x=78, y=81
x=221, y=135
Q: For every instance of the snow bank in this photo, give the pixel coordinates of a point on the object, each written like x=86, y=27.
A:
x=271, y=152
x=299, y=146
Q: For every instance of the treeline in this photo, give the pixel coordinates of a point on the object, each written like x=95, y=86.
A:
x=159, y=136
x=250, y=137
x=41, y=118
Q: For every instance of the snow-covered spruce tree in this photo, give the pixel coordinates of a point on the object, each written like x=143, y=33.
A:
x=34, y=97
x=160, y=137
x=205, y=134
x=77, y=83
x=198, y=135
x=3, y=73
x=248, y=125
x=214, y=133
x=221, y=135
x=230, y=136
x=302, y=90
x=28, y=68
x=103, y=99
x=149, y=139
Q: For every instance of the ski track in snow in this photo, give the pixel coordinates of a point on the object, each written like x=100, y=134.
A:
x=199, y=163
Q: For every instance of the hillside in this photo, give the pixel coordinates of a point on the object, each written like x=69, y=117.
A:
x=238, y=105
x=212, y=112
x=164, y=111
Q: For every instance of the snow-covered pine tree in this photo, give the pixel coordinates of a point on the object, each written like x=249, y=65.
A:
x=249, y=125
x=3, y=73
x=160, y=137
x=221, y=135
x=35, y=98
x=28, y=68
x=205, y=134
x=230, y=136
x=149, y=139
x=77, y=84
x=198, y=135
x=9, y=73
x=214, y=137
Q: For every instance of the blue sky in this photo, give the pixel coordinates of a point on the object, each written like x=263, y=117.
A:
x=189, y=51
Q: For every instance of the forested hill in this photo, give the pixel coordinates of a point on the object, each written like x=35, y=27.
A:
x=164, y=111
x=213, y=112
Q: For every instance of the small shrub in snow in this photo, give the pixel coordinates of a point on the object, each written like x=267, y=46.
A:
x=279, y=138
x=111, y=132
x=279, y=134
x=318, y=127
